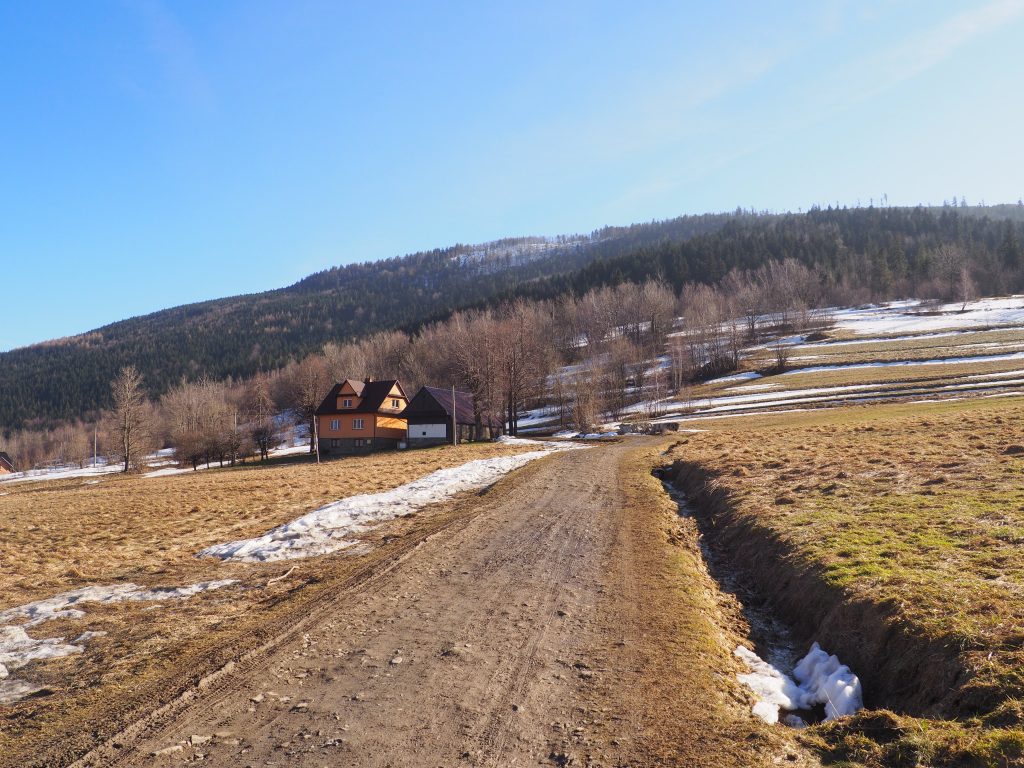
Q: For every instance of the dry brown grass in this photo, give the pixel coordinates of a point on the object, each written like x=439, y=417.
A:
x=938, y=374
x=923, y=377
x=60, y=535
x=959, y=345
x=971, y=344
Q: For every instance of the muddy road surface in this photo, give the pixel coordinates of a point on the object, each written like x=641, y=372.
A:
x=546, y=629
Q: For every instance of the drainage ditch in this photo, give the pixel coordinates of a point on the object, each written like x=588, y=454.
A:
x=780, y=675
x=788, y=603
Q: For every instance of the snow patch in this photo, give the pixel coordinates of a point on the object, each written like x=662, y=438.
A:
x=329, y=528
x=168, y=471
x=62, y=606
x=913, y=317
x=818, y=678
x=18, y=649
x=905, y=363
x=748, y=376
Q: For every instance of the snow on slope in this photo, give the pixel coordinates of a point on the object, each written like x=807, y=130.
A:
x=330, y=528
x=61, y=473
x=18, y=649
x=907, y=363
x=910, y=316
x=162, y=462
x=62, y=606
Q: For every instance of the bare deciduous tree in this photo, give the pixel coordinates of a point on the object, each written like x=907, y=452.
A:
x=130, y=418
x=259, y=407
x=305, y=385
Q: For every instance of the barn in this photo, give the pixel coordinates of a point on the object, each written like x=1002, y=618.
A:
x=432, y=412
x=6, y=464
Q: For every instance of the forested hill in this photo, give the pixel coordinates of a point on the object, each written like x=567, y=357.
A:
x=241, y=335
x=862, y=253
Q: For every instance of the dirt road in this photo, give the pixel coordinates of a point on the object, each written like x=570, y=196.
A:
x=558, y=625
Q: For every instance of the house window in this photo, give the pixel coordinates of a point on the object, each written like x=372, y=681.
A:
x=334, y=425
x=346, y=403
x=394, y=403
x=357, y=423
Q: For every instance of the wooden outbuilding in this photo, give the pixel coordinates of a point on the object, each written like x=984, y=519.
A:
x=6, y=464
x=433, y=414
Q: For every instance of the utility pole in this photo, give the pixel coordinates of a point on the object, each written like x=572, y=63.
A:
x=455, y=421
x=95, y=443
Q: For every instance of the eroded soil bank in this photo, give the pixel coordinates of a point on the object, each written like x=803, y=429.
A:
x=900, y=671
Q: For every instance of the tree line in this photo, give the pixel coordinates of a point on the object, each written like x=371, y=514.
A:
x=860, y=254
x=577, y=360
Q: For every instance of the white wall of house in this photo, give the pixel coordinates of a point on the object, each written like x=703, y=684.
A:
x=427, y=430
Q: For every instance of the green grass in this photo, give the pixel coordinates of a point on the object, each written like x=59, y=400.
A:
x=919, y=510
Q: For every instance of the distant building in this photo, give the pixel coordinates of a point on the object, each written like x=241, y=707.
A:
x=430, y=414
x=6, y=464
x=361, y=417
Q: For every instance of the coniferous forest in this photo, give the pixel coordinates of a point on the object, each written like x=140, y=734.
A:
x=859, y=254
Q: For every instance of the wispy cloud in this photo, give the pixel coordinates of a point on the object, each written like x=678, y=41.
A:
x=844, y=87
x=923, y=51
x=174, y=52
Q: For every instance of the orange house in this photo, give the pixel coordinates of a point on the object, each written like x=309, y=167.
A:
x=6, y=465
x=361, y=416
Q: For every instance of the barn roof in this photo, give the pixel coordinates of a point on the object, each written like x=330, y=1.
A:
x=372, y=395
x=462, y=406
x=6, y=460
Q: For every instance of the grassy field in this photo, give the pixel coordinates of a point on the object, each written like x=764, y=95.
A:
x=61, y=535
x=69, y=533
x=962, y=344
x=940, y=367
x=913, y=514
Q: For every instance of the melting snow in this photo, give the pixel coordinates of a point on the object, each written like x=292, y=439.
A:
x=907, y=316
x=903, y=363
x=158, y=461
x=882, y=339
x=18, y=649
x=818, y=678
x=999, y=375
x=61, y=606
x=329, y=528
x=749, y=375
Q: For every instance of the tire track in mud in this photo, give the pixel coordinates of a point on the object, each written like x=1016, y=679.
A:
x=540, y=622
x=219, y=682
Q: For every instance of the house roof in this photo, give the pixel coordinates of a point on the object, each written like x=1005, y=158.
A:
x=463, y=405
x=5, y=459
x=372, y=395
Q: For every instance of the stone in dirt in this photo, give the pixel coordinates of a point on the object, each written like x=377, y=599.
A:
x=168, y=750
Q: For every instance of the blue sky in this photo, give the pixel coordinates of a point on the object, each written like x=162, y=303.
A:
x=158, y=153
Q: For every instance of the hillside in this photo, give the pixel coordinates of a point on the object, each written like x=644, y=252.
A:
x=240, y=335
x=865, y=253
